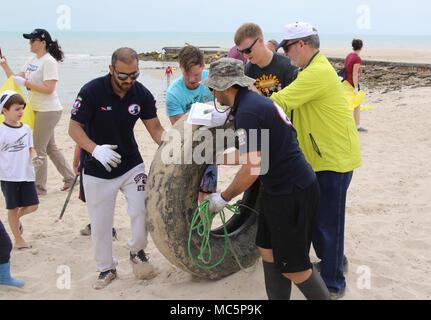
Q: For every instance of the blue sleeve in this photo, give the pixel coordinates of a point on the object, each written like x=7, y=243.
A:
x=173, y=103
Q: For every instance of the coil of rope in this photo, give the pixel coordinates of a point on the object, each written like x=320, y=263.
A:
x=201, y=223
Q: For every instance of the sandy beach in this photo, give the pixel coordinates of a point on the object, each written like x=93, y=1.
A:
x=387, y=237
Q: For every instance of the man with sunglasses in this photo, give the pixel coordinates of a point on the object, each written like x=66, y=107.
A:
x=271, y=70
x=329, y=140
x=102, y=122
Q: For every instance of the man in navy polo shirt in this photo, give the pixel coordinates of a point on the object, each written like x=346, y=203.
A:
x=102, y=122
x=290, y=198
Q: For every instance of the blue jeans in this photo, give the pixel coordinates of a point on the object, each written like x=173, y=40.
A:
x=328, y=237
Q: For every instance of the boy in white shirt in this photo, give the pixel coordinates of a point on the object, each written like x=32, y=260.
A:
x=17, y=159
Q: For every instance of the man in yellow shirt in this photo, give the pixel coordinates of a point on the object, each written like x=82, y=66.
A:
x=328, y=138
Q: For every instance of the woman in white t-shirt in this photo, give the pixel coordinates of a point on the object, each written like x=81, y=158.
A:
x=40, y=75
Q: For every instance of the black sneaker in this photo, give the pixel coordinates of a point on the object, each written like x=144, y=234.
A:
x=142, y=268
x=105, y=278
x=139, y=257
x=337, y=295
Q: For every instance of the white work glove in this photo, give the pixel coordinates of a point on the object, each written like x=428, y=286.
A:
x=355, y=91
x=106, y=155
x=20, y=81
x=217, y=119
x=217, y=203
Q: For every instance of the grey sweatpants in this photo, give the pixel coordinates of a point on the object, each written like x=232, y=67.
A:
x=44, y=144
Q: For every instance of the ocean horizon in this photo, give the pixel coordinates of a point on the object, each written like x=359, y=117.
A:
x=87, y=54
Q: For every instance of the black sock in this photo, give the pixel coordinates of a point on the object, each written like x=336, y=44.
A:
x=314, y=288
x=277, y=286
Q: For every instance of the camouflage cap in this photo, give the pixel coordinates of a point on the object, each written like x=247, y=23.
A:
x=226, y=72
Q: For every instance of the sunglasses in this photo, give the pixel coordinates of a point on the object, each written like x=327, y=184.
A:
x=123, y=76
x=34, y=39
x=247, y=50
x=287, y=46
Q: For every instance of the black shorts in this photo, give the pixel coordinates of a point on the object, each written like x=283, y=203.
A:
x=286, y=224
x=19, y=194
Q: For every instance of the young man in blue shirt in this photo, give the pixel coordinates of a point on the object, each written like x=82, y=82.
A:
x=185, y=91
x=102, y=122
x=290, y=198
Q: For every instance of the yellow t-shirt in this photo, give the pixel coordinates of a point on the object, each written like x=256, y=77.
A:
x=326, y=129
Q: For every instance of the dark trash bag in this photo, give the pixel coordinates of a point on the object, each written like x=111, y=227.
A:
x=342, y=74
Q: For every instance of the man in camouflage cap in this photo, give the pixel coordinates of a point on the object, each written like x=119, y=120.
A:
x=269, y=150
x=225, y=73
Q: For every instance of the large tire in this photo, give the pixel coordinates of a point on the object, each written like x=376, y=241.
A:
x=172, y=198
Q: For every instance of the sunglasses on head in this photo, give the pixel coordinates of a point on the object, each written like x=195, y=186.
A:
x=247, y=50
x=287, y=46
x=123, y=76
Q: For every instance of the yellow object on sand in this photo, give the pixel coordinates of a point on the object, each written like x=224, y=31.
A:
x=353, y=99
x=28, y=117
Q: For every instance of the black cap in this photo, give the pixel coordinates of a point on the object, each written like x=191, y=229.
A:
x=41, y=34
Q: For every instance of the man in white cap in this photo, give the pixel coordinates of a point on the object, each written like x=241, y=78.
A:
x=328, y=137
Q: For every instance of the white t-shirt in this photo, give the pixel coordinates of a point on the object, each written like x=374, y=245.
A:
x=39, y=70
x=15, y=162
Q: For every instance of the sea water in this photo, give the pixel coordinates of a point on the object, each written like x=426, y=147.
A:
x=88, y=54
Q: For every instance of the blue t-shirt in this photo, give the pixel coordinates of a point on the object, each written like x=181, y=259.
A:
x=280, y=153
x=179, y=98
x=110, y=119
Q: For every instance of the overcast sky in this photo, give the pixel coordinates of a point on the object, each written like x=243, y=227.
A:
x=380, y=17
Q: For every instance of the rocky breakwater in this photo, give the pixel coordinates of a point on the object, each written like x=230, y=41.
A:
x=383, y=76
x=211, y=54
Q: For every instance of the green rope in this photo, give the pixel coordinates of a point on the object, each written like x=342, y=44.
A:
x=201, y=222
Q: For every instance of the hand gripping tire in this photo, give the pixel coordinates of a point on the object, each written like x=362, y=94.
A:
x=171, y=199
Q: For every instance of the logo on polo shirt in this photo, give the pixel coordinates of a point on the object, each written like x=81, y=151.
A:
x=76, y=105
x=282, y=114
x=242, y=137
x=107, y=108
x=134, y=109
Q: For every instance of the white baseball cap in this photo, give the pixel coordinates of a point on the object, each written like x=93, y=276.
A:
x=297, y=30
x=4, y=97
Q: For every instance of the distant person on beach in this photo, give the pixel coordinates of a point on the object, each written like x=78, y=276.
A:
x=329, y=140
x=352, y=66
x=271, y=70
x=163, y=54
x=102, y=121
x=77, y=168
x=5, y=248
x=16, y=168
x=272, y=45
x=185, y=91
x=233, y=53
x=168, y=73
x=40, y=76
x=290, y=195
